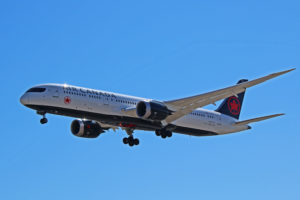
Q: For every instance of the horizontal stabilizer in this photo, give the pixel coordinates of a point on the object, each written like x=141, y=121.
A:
x=258, y=119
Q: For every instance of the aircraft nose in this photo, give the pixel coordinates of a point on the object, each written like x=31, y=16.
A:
x=24, y=99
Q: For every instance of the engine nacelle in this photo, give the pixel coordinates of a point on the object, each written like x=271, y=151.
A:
x=85, y=128
x=152, y=110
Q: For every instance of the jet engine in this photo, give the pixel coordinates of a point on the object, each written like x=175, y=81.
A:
x=86, y=128
x=152, y=110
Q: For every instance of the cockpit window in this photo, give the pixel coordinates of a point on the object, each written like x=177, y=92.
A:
x=36, y=90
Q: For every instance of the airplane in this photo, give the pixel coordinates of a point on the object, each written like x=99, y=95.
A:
x=98, y=111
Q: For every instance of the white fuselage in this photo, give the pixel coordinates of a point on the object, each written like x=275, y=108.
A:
x=113, y=104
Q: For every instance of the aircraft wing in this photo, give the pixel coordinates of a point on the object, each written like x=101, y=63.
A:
x=130, y=111
x=258, y=119
x=108, y=126
x=182, y=107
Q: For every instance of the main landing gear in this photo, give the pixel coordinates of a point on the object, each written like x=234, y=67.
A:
x=163, y=133
x=130, y=140
x=44, y=120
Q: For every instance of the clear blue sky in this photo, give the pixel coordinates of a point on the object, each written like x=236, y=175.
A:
x=157, y=49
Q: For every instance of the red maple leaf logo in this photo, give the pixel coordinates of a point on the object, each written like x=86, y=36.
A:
x=234, y=105
x=67, y=100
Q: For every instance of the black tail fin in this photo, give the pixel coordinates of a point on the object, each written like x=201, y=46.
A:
x=232, y=105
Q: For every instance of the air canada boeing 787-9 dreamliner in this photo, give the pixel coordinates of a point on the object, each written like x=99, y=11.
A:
x=98, y=111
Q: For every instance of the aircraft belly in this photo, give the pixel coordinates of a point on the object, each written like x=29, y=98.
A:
x=191, y=122
x=234, y=129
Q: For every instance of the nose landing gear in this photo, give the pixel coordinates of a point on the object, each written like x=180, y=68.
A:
x=44, y=120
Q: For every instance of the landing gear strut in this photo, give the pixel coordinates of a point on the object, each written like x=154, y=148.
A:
x=44, y=120
x=130, y=140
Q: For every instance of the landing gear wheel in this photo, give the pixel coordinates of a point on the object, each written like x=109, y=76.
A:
x=130, y=140
x=163, y=133
x=169, y=134
x=125, y=140
x=136, y=141
x=43, y=120
x=157, y=133
x=131, y=143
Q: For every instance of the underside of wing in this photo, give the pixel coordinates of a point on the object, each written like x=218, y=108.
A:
x=108, y=126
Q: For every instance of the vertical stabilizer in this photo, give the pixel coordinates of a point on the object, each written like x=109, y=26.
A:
x=232, y=106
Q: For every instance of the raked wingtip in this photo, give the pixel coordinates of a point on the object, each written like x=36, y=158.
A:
x=289, y=70
x=283, y=72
